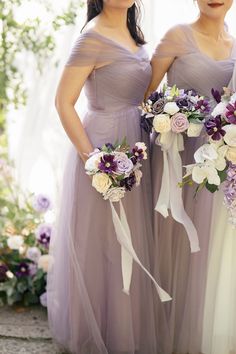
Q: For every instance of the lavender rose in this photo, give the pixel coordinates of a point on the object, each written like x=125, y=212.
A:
x=179, y=123
x=124, y=164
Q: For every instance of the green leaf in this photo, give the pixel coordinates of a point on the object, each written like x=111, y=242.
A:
x=223, y=175
x=211, y=187
x=30, y=299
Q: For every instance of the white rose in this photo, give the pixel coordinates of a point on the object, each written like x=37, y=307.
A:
x=91, y=165
x=219, y=109
x=171, y=108
x=114, y=194
x=15, y=242
x=194, y=130
x=162, y=123
x=138, y=176
x=44, y=262
x=231, y=154
x=230, y=136
x=101, y=182
x=205, y=152
x=200, y=173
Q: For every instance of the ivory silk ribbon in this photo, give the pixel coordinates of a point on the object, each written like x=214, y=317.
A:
x=128, y=254
x=170, y=196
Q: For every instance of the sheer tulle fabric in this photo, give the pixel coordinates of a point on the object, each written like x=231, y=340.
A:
x=184, y=274
x=219, y=330
x=88, y=312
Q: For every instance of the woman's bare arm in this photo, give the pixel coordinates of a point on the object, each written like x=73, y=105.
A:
x=68, y=92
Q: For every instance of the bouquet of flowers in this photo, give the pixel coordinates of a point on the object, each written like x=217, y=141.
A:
x=172, y=109
x=215, y=161
x=115, y=169
x=25, y=232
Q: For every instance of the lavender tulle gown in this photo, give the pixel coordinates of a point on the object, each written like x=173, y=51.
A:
x=88, y=312
x=183, y=274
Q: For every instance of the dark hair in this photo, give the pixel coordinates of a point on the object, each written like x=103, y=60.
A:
x=95, y=7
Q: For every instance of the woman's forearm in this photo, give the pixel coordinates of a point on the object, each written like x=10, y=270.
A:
x=74, y=129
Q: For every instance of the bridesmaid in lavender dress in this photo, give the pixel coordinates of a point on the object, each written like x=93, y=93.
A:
x=199, y=56
x=88, y=312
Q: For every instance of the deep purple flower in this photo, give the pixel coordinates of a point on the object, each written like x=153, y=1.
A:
x=184, y=103
x=128, y=182
x=109, y=146
x=22, y=270
x=107, y=164
x=204, y=106
x=231, y=113
x=146, y=124
x=214, y=128
x=138, y=153
x=43, y=234
x=41, y=203
x=3, y=271
x=216, y=94
x=155, y=96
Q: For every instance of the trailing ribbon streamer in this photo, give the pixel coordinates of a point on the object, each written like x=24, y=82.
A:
x=170, y=196
x=128, y=253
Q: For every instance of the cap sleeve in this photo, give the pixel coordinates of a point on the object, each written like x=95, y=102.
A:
x=91, y=49
x=174, y=44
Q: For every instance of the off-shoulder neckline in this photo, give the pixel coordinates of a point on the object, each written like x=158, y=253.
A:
x=114, y=42
x=190, y=29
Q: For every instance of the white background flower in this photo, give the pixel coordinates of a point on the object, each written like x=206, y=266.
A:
x=219, y=109
x=15, y=242
x=205, y=152
x=231, y=154
x=230, y=136
x=199, y=174
x=91, y=165
x=33, y=253
x=44, y=262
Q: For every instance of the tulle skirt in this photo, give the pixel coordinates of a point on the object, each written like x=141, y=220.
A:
x=88, y=312
x=182, y=274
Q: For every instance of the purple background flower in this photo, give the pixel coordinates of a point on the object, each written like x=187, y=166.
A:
x=231, y=113
x=43, y=234
x=3, y=270
x=203, y=106
x=22, y=270
x=42, y=203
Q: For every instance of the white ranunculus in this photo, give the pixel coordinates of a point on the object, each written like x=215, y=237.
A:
x=44, y=262
x=230, y=136
x=115, y=194
x=15, y=242
x=219, y=109
x=101, y=182
x=231, y=154
x=162, y=123
x=91, y=165
x=141, y=145
x=194, y=130
x=205, y=152
x=171, y=108
x=200, y=173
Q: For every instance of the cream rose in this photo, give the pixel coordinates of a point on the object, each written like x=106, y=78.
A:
x=162, y=123
x=231, y=154
x=101, y=182
x=171, y=108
